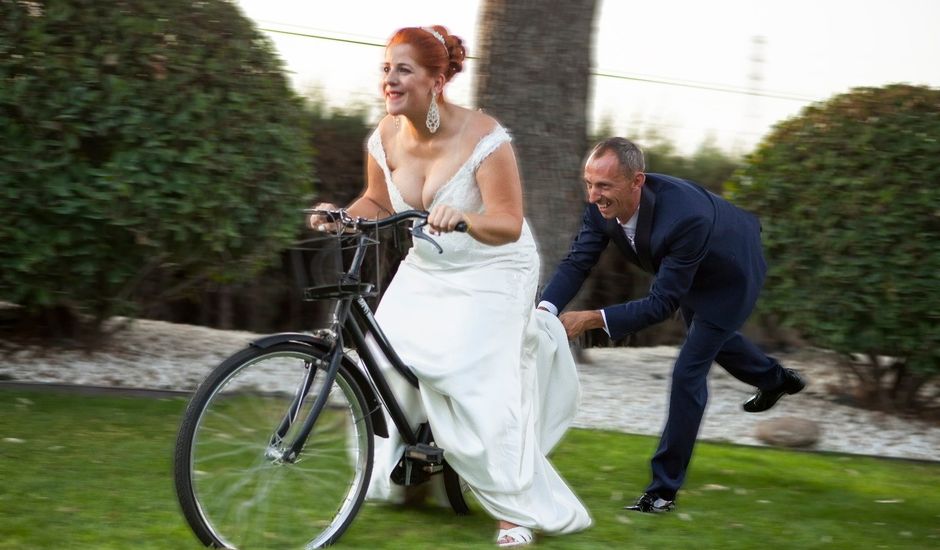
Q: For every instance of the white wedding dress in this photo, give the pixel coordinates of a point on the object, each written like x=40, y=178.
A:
x=497, y=380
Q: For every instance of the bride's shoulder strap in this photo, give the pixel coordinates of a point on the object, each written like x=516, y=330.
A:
x=376, y=147
x=488, y=144
x=374, y=144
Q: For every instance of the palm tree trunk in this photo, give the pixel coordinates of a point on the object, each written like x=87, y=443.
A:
x=534, y=76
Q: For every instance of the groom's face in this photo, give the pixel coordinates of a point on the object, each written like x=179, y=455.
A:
x=615, y=194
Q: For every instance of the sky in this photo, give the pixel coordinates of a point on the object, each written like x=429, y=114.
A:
x=721, y=71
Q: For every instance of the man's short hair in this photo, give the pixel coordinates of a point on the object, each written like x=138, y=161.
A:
x=628, y=154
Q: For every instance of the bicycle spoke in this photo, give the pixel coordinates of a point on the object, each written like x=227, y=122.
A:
x=247, y=495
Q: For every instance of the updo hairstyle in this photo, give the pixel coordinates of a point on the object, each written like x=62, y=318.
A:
x=446, y=58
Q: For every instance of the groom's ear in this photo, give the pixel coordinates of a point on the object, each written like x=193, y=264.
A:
x=639, y=179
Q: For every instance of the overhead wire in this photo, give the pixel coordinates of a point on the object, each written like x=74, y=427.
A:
x=664, y=81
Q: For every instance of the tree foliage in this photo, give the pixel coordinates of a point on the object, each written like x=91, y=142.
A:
x=271, y=300
x=338, y=140
x=849, y=198
x=138, y=137
x=708, y=166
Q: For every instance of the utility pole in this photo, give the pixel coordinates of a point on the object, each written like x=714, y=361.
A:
x=755, y=80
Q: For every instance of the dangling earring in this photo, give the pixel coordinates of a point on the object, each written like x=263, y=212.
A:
x=397, y=122
x=433, y=121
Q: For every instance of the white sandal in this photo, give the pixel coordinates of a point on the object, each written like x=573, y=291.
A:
x=518, y=536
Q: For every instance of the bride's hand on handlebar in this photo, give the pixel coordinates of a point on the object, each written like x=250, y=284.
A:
x=444, y=219
x=322, y=222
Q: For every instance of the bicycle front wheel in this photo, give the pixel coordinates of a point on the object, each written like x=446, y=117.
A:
x=234, y=484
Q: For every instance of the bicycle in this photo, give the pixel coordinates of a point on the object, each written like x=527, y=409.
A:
x=275, y=448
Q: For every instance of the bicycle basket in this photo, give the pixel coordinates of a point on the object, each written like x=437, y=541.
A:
x=320, y=264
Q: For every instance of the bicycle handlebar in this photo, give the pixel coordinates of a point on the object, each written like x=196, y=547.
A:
x=343, y=217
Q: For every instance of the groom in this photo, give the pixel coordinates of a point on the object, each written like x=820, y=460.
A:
x=706, y=256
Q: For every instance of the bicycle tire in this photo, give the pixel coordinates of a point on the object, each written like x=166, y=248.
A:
x=233, y=490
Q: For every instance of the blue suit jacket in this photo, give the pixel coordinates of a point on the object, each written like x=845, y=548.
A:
x=704, y=251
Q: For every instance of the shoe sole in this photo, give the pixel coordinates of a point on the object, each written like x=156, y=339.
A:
x=767, y=408
x=651, y=510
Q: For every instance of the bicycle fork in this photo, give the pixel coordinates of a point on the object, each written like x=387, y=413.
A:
x=276, y=450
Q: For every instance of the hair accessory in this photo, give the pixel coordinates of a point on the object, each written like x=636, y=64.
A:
x=433, y=120
x=436, y=34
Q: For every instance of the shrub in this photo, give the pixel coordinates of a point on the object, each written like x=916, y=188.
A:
x=849, y=198
x=271, y=300
x=138, y=137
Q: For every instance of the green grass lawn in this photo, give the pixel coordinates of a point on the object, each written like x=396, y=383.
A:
x=95, y=472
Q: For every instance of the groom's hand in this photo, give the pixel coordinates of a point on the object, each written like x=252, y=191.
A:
x=576, y=322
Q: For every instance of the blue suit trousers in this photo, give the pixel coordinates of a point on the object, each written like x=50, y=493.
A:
x=705, y=343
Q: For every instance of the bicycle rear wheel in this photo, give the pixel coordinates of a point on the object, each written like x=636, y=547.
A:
x=454, y=487
x=234, y=487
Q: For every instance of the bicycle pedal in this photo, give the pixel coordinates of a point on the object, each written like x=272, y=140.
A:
x=425, y=453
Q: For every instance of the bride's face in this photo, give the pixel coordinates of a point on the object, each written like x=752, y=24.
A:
x=406, y=85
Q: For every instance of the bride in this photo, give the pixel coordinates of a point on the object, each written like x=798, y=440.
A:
x=497, y=380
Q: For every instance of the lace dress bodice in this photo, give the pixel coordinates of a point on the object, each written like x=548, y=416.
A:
x=461, y=192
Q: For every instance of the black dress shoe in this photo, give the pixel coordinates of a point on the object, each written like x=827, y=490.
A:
x=651, y=504
x=765, y=399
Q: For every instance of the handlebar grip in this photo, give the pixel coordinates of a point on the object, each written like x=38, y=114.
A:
x=462, y=227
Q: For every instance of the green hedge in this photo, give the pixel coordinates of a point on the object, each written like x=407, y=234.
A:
x=849, y=197
x=138, y=137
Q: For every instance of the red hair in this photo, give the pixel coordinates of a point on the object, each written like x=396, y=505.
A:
x=446, y=58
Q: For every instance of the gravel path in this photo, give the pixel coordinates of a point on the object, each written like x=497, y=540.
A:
x=623, y=389
x=626, y=390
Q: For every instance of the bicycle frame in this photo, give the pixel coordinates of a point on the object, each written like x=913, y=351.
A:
x=317, y=410
x=362, y=316
x=356, y=322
